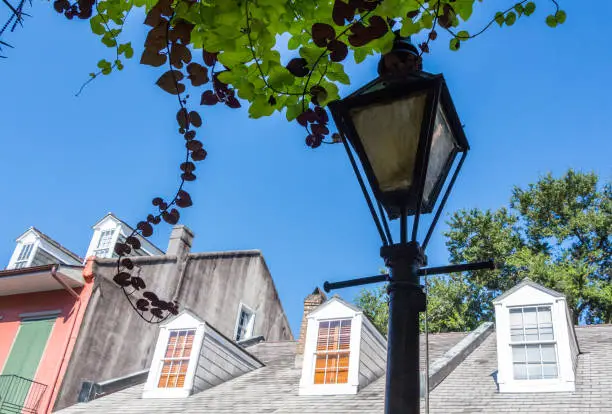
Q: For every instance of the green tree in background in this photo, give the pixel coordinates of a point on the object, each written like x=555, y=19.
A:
x=558, y=232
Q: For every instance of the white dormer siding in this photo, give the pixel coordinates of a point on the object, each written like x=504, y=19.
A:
x=343, y=351
x=109, y=231
x=33, y=248
x=191, y=356
x=536, y=345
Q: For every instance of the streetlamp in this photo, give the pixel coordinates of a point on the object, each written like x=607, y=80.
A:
x=406, y=133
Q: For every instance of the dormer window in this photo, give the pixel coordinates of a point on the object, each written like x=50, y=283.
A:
x=176, y=359
x=536, y=345
x=337, y=341
x=24, y=255
x=104, y=243
x=534, y=352
x=333, y=351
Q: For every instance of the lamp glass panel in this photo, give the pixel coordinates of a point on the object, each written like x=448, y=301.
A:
x=389, y=133
x=442, y=146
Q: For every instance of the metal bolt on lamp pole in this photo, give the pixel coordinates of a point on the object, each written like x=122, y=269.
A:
x=406, y=133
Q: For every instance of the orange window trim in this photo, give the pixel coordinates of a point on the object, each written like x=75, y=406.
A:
x=176, y=359
x=332, y=355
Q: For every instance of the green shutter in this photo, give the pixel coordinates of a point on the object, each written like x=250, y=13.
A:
x=27, y=351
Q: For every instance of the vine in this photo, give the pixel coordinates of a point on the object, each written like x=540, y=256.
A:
x=241, y=62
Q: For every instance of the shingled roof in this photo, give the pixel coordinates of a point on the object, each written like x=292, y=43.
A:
x=470, y=387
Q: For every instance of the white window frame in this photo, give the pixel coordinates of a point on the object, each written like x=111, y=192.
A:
x=103, y=250
x=250, y=325
x=327, y=352
x=184, y=321
x=530, y=296
x=172, y=360
x=21, y=262
x=539, y=342
x=331, y=310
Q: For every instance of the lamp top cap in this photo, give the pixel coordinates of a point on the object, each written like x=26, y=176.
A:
x=402, y=60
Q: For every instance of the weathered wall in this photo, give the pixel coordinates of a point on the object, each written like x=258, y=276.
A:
x=114, y=341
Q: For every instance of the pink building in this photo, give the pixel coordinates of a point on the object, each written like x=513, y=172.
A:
x=43, y=296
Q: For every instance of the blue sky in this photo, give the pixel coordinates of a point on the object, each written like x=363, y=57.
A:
x=533, y=100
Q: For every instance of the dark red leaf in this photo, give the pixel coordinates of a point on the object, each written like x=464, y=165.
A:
x=169, y=82
x=412, y=14
x=199, y=155
x=319, y=129
x=198, y=74
x=138, y=283
x=321, y=114
x=127, y=263
x=298, y=67
x=122, y=279
x=179, y=53
x=209, y=98
x=151, y=296
x=153, y=219
x=181, y=31
x=193, y=145
x=188, y=176
x=338, y=50
x=189, y=135
x=157, y=201
x=209, y=58
x=142, y=305
x=157, y=313
x=195, y=119
x=378, y=27
x=171, y=217
x=322, y=34
x=424, y=47
x=183, y=199
x=188, y=166
x=433, y=35
x=134, y=242
x=182, y=117
x=122, y=249
x=145, y=228
x=232, y=102
x=342, y=12
x=152, y=58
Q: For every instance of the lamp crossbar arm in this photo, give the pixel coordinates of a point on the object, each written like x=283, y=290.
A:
x=327, y=286
x=488, y=265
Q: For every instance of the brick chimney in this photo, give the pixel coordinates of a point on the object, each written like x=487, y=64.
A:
x=311, y=302
x=180, y=241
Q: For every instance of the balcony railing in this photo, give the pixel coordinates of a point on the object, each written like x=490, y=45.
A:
x=20, y=395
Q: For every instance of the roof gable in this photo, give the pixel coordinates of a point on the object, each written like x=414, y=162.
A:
x=528, y=285
x=335, y=308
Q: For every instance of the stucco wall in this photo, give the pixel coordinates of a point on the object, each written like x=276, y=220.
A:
x=62, y=337
x=114, y=341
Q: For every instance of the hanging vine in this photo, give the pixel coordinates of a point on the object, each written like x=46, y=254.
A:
x=228, y=52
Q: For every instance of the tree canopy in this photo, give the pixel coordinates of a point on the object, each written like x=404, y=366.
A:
x=557, y=232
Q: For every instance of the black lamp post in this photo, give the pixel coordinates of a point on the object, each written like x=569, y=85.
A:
x=405, y=130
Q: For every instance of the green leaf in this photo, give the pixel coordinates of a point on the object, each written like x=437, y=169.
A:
x=519, y=9
x=529, y=8
x=499, y=18
x=510, y=18
x=293, y=111
x=464, y=8
x=341, y=77
x=454, y=44
x=103, y=63
x=311, y=54
x=360, y=54
x=294, y=43
x=226, y=77
x=129, y=52
x=280, y=77
x=96, y=25
x=463, y=35
x=260, y=107
x=551, y=21
x=560, y=16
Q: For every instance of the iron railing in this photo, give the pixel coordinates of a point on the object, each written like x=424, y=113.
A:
x=20, y=395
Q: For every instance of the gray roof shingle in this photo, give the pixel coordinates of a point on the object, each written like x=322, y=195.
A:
x=470, y=388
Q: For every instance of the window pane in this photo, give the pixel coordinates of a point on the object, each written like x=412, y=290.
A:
x=516, y=317
x=516, y=335
x=531, y=333
x=520, y=371
x=342, y=376
x=331, y=364
x=533, y=353
x=546, y=332
x=544, y=315
x=530, y=317
x=334, y=335
x=518, y=354
x=548, y=353
x=323, y=335
x=534, y=371
x=550, y=371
